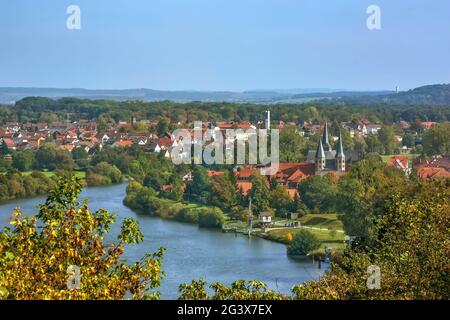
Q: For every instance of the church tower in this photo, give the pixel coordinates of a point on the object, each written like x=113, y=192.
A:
x=325, y=142
x=320, y=157
x=340, y=156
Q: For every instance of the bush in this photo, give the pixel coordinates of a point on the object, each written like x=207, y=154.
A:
x=303, y=243
x=211, y=218
x=103, y=174
x=144, y=199
x=94, y=179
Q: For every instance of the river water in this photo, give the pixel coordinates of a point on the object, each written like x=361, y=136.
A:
x=193, y=252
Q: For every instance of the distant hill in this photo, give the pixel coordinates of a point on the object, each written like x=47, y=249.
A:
x=438, y=94
x=10, y=95
x=339, y=94
x=427, y=95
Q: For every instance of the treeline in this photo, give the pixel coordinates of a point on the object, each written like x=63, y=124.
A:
x=426, y=95
x=146, y=200
x=13, y=185
x=44, y=109
x=51, y=158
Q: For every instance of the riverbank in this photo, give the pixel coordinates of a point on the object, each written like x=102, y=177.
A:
x=192, y=252
x=17, y=185
x=330, y=240
x=327, y=227
x=145, y=200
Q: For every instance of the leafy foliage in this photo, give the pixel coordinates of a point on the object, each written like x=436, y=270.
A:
x=411, y=250
x=239, y=290
x=36, y=251
x=303, y=243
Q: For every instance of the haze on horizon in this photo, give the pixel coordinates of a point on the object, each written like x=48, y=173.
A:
x=224, y=45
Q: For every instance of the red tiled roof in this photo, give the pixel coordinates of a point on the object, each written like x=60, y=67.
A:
x=394, y=160
x=124, y=143
x=294, y=173
x=244, y=186
x=225, y=125
x=165, y=142
x=433, y=173
x=212, y=173
x=428, y=124
x=245, y=173
x=8, y=142
x=68, y=147
x=244, y=125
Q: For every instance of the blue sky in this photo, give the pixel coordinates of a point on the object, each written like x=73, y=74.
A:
x=224, y=44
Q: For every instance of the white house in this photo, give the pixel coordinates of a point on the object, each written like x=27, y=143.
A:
x=265, y=218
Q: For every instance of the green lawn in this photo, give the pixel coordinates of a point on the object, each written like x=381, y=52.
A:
x=325, y=221
x=327, y=238
x=322, y=220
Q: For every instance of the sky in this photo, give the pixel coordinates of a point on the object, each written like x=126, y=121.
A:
x=214, y=45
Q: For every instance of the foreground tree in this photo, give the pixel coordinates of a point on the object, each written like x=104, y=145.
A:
x=239, y=290
x=40, y=255
x=411, y=252
x=361, y=195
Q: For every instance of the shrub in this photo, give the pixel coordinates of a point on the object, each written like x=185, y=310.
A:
x=187, y=215
x=303, y=243
x=210, y=218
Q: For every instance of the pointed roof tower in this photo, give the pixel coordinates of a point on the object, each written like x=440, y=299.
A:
x=340, y=148
x=325, y=141
x=320, y=153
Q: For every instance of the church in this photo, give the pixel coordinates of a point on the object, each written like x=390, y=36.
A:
x=326, y=159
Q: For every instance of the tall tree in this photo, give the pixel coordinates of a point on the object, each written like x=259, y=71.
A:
x=436, y=140
x=318, y=193
x=259, y=193
x=281, y=201
x=200, y=187
x=387, y=139
x=292, y=146
x=4, y=150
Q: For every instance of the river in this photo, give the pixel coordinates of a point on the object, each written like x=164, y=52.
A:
x=192, y=252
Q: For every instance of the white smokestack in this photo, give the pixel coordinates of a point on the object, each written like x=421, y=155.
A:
x=267, y=120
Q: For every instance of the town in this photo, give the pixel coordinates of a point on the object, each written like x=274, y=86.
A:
x=306, y=179
x=85, y=137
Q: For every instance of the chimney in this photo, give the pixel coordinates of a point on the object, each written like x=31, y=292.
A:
x=267, y=120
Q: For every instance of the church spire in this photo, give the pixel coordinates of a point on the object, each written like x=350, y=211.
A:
x=340, y=156
x=325, y=141
x=320, y=153
x=320, y=157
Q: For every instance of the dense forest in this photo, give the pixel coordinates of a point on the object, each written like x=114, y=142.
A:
x=426, y=95
x=45, y=109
